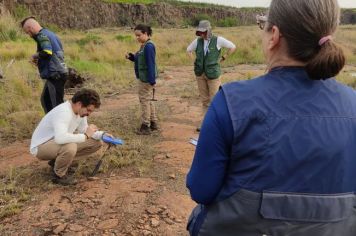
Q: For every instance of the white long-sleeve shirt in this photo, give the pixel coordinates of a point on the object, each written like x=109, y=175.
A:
x=221, y=43
x=60, y=124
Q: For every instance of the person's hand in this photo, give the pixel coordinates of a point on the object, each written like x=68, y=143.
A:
x=94, y=127
x=34, y=59
x=191, y=56
x=130, y=56
x=91, y=130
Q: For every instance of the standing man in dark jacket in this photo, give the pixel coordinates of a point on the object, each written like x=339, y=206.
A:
x=49, y=59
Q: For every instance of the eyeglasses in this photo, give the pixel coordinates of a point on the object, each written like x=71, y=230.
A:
x=261, y=21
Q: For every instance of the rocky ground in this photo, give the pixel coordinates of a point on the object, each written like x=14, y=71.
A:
x=124, y=202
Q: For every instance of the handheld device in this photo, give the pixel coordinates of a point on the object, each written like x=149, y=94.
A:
x=111, y=142
x=193, y=141
x=114, y=141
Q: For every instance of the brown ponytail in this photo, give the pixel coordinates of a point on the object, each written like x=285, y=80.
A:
x=328, y=62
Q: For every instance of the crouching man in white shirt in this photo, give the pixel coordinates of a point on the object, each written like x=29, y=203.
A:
x=64, y=133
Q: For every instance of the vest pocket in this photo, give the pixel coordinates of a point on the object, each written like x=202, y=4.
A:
x=195, y=220
x=212, y=71
x=324, y=208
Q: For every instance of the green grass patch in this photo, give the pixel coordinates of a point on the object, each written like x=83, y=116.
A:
x=124, y=38
x=90, y=38
x=91, y=67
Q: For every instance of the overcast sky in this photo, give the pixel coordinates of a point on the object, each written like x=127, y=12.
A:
x=264, y=3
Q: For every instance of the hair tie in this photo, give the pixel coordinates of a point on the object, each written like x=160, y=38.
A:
x=325, y=39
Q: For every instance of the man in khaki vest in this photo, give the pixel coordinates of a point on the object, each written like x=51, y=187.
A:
x=207, y=49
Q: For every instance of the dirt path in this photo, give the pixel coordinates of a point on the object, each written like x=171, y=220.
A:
x=156, y=203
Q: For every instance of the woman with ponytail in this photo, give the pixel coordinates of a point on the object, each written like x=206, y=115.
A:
x=277, y=154
x=146, y=73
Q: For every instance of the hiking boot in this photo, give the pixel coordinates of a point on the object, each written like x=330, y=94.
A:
x=154, y=126
x=71, y=170
x=64, y=180
x=144, y=130
x=51, y=163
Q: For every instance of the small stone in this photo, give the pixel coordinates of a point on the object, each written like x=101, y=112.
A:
x=92, y=178
x=153, y=210
x=59, y=228
x=141, y=221
x=154, y=223
x=56, y=209
x=146, y=233
x=108, y=224
x=168, y=156
x=172, y=176
x=76, y=228
x=155, y=217
x=168, y=77
x=85, y=233
x=168, y=221
x=35, y=224
x=178, y=220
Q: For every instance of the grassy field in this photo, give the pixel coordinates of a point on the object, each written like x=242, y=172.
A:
x=99, y=54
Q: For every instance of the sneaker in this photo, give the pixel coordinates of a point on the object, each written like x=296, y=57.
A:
x=64, y=180
x=154, y=126
x=144, y=130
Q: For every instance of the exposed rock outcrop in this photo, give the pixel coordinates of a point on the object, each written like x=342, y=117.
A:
x=86, y=14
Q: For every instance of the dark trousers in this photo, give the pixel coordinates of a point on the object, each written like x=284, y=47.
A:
x=53, y=92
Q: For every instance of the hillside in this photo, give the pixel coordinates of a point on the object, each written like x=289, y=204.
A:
x=86, y=14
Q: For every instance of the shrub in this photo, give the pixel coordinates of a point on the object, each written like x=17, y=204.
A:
x=195, y=19
x=228, y=22
x=9, y=30
x=20, y=12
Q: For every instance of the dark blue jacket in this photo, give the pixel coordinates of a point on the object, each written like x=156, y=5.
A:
x=51, y=54
x=150, y=59
x=289, y=164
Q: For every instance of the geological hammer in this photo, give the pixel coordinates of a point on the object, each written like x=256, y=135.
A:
x=153, y=95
